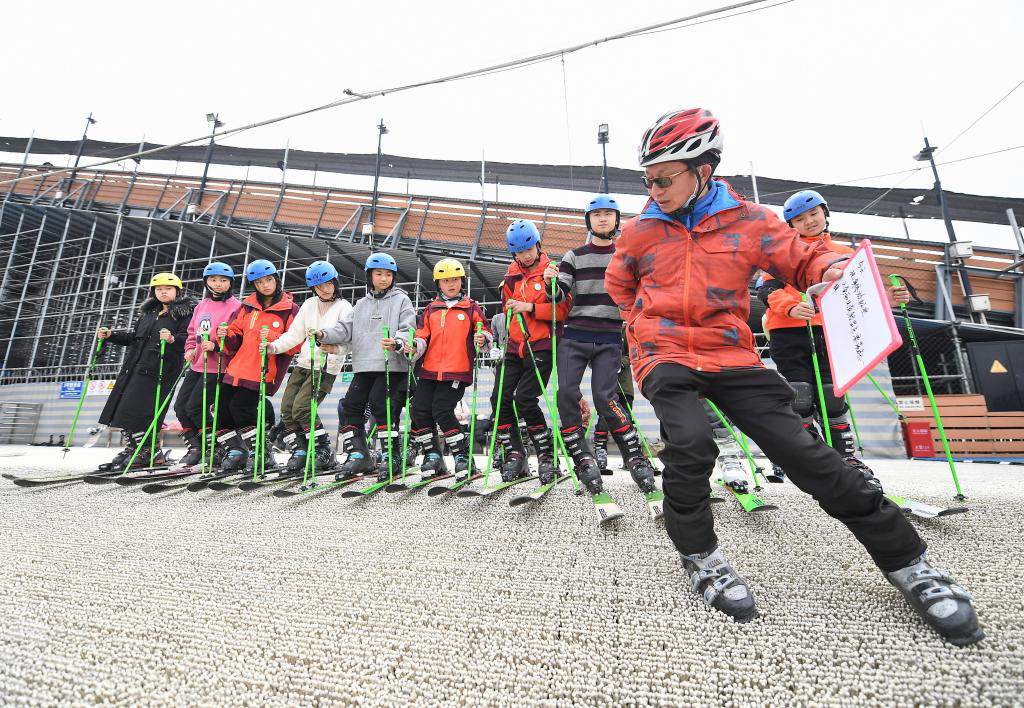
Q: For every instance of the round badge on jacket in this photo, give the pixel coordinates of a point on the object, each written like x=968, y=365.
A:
x=536, y=286
x=276, y=325
x=462, y=316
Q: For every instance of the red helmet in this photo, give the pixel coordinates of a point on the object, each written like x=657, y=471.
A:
x=681, y=135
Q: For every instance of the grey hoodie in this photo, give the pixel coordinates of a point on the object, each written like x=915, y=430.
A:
x=361, y=329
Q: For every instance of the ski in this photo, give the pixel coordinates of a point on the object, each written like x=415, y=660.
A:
x=198, y=485
x=107, y=476
x=170, y=482
x=293, y=491
x=455, y=486
x=249, y=485
x=412, y=486
x=538, y=493
x=401, y=485
x=655, y=504
x=751, y=503
x=488, y=491
x=922, y=510
x=365, y=491
x=42, y=481
x=235, y=481
x=606, y=508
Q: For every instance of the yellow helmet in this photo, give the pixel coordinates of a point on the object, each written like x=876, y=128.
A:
x=166, y=279
x=449, y=268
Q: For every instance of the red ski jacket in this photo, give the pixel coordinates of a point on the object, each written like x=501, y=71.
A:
x=527, y=285
x=684, y=294
x=243, y=342
x=447, y=333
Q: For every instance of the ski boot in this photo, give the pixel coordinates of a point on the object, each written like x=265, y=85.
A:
x=323, y=454
x=730, y=464
x=778, y=475
x=547, y=466
x=296, y=444
x=842, y=438
x=601, y=451
x=425, y=439
x=719, y=585
x=131, y=441
x=943, y=604
x=587, y=470
x=640, y=469
x=386, y=471
x=237, y=451
x=193, y=452
x=276, y=437
x=515, y=464
x=267, y=463
x=359, y=461
x=459, y=445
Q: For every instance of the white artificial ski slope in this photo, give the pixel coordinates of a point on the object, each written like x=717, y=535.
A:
x=108, y=594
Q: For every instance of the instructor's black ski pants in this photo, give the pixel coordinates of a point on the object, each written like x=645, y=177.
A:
x=759, y=402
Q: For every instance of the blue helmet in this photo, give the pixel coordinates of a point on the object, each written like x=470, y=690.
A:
x=521, y=235
x=801, y=202
x=602, y=201
x=259, y=268
x=381, y=260
x=320, y=272
x=218, y=268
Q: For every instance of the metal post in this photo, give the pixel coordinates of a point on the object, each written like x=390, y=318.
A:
x=753, y=183
x=1016, y=230
x=210, y=118
x=602, y=139
x=245, y=262
x=177, y=247
x=381, y=129
x=10, y=258
x=78, y=154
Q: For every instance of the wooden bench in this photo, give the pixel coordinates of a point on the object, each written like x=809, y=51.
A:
x=971, y=428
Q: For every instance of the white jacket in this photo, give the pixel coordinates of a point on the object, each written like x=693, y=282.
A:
x=309, y=318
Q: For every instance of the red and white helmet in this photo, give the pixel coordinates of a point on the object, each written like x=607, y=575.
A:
x=681, y=135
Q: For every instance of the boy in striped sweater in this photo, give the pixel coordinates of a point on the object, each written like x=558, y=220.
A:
x=593, y=337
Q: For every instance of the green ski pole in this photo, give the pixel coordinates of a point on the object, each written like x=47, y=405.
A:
x=310, y=445
x=928, y=389
x=156, y=401
x=817, y=380
x=202, y=455
x=740, y=442
x=547, y=401
x=151, y=430
x=387, y=405
x=81, y=397
x=892, y=404
x=408, y=412
x=497, y=412
x=258, y=469
x=472, y=413
x=216, y=397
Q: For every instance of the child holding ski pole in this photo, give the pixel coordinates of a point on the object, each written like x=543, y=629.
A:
x=680, y=276
x=796, y=337
x=593, y=338
x=241, y=405
x=163, y=317
x=379, y=370
x=446, y=344
x=320, y=311
x=524, y=293
x=218, y=305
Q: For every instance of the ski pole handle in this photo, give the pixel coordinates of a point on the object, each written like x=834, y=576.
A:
x=224, y=325
x=895, y=282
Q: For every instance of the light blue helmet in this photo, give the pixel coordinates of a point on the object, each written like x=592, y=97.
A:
x=521, y=235
x=259, y=268
x=801, y=202
x=320, y=272
x=381, y=260
x=218, y=268
x=602, y=201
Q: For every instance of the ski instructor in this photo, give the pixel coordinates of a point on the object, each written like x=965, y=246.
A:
x=680, y=276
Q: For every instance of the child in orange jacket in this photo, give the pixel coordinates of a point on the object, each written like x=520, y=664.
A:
x=269, y=306
x=789, y=342
x=525, y=294
x=446, y=345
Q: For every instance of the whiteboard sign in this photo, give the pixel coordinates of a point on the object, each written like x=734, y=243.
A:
x=859, y=327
